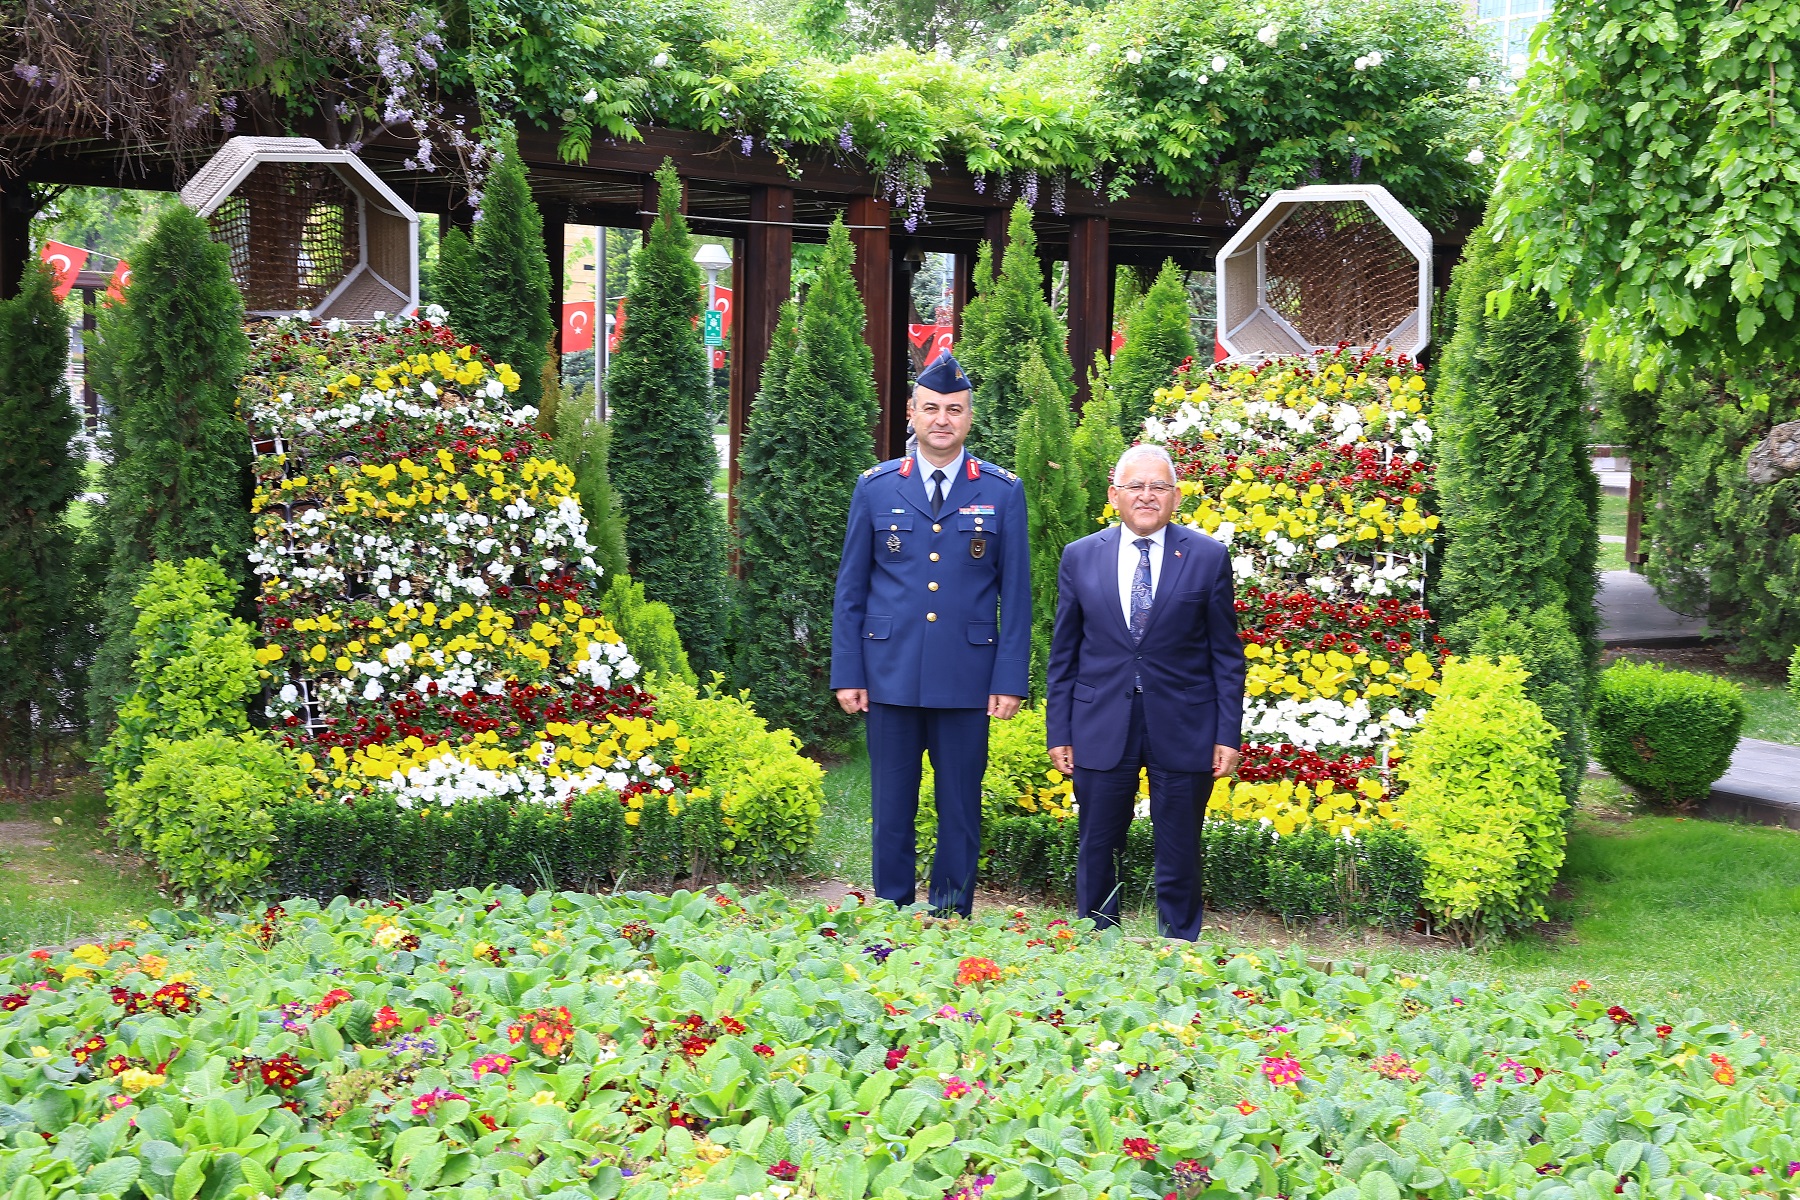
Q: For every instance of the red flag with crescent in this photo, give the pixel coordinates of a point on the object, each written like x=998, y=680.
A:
x=121, y=279
x=577, y=326
x=66, y=261
x=932, y=339
x=618, y=330
x=722, y=302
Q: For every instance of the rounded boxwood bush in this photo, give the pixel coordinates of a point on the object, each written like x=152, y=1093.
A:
x=1666, y=734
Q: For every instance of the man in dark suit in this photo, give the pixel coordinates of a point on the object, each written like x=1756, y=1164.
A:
x=1145, y=670
x=931, y=633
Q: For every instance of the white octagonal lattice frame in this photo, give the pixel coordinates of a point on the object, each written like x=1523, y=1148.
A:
x=1316, y=266
x=312, y=231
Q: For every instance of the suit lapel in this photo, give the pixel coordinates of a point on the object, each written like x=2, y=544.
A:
x=1107, y=573
x=1176, y=553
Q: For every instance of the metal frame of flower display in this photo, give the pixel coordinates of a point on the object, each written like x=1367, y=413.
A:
x=1323, y=266
x=311, y=231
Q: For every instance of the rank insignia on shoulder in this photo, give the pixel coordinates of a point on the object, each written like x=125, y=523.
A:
x=871, y=471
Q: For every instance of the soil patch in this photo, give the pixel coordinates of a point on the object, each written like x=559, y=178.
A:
x=30, y=834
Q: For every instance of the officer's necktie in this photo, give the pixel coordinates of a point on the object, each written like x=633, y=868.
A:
x=1140, y=599
x=937, y=493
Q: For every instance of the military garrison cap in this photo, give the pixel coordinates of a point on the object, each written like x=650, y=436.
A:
x=944, y=375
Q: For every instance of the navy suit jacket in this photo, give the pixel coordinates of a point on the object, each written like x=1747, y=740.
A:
x=934, y=613
x=1190, y=660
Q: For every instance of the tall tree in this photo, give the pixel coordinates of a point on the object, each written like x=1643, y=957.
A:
x=1158, y=338
x=1004, y=322
x=498, y=293
x=1055, y=499
x=802, y=455
x=179, y=484
x=1520, y=502
x=1097, y=441
x=40, y=609
x=663, y=459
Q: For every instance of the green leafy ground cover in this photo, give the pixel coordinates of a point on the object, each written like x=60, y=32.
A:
x=492, y=1044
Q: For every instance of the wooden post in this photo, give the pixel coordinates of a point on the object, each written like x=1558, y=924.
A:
x=1090, y=297
x=874, y=268
x=900, y=360
x=994, y=232
x=553, y=250
x=1635, y=556
x=15, y=235
x=761, y=283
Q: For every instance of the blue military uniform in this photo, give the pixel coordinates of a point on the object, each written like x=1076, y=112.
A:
x=919, y=623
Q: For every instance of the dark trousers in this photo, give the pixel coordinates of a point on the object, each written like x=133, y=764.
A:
x=957, y=740
x=1177, y=809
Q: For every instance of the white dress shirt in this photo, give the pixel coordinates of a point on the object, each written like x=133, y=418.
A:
x=1128, y=565
x=952, y=471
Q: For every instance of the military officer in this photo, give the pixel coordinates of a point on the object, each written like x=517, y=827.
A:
x=931, y=633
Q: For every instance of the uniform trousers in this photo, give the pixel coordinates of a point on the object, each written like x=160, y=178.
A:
x=957, y=740
x=1177, y=810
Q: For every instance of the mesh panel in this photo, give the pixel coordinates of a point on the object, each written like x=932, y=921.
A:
x=291, y=230
x=1339, y=275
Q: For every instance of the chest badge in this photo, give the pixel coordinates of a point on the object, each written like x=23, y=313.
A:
x=893, y=543
x=977, y=546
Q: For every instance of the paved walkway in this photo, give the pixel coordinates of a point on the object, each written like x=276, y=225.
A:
x=1762, y=785
x=1631, y=615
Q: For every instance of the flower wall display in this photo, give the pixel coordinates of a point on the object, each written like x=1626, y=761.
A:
x=427, y=596
x=496, y=1044
x=1316, y=474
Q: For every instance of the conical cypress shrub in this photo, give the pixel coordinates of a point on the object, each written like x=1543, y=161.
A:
x=1158, y=338
x=510, y=318
x=1520, y=503
x=40, y=607
x=1097, y=441
x=662, y=457
x=179, y=484
x=1008, y=317
x=455, y=283
x=1055, y=499
x=582, y=444
x=802, y=455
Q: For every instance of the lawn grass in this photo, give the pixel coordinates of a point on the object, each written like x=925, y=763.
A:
x=841, y=850
x=1612, y=522
x=61, y=876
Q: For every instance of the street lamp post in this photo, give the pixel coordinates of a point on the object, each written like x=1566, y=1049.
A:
x=712, y=259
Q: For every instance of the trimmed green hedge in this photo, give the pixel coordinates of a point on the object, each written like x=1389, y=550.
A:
x=1666, y=734
x=1374, y=879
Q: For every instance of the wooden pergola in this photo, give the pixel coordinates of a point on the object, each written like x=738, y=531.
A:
x=764, y=207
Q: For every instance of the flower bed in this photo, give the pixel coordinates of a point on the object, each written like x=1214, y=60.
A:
x=492, y=1044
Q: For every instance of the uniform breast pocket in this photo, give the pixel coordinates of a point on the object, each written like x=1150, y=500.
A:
x=977, y=534
x=893, y=537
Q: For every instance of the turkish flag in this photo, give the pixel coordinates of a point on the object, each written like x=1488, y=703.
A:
x=718, y=359
x=578, y=326
x=1219, y=354
x=66, y=261
x=940, y=343
x=121, y=279
x=1118, y=342
x=618, y=329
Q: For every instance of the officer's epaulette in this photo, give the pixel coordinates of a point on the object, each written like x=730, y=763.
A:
x=988, y=468
x=882, y=468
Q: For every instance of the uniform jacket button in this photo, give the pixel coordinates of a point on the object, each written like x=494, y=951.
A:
x=931, y=616
x=937, y=528
x=934, y=556
x=932, y=585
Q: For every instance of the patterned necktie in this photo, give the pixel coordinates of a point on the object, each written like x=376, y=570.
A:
x=1140, y=591
x=937, y=493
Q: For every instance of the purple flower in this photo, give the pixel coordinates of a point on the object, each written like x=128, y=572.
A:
x=846, y=139
x=1356, y=162
x=746, y=143
x=29, y=73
